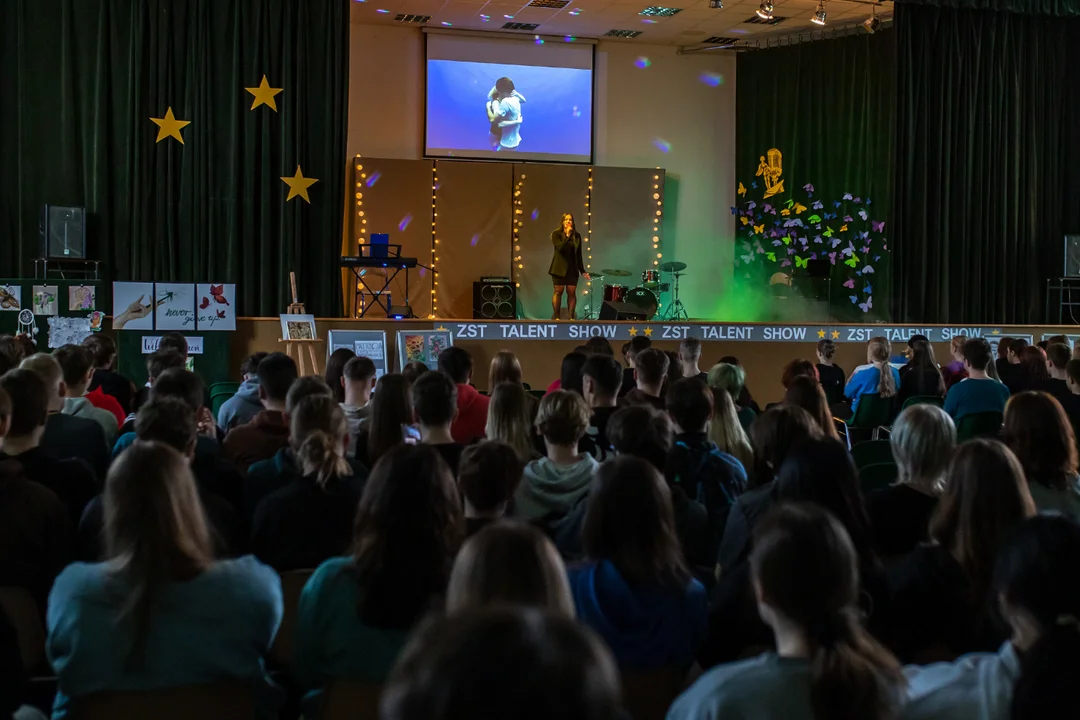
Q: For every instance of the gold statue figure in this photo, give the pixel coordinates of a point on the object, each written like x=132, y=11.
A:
x=770, y=171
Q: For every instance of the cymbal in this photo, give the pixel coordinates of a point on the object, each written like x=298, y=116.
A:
x=673, y=266
x=616, y=273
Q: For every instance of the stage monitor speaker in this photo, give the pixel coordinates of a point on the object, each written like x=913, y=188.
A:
x=1072, y=256
x=494, y=300
x=63, y=232
x=621, y=311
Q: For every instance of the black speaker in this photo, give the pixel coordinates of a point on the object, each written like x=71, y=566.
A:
x=494, y=300
x=622, y=311
x=63, y=232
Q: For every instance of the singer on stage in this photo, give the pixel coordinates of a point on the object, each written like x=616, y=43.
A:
x=566, y=266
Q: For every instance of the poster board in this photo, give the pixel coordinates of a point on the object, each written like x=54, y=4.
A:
x=368, y=343
x=422, y=345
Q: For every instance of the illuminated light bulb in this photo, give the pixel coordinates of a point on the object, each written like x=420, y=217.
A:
x=655, y=239
x=656, y=196
x=659, y=255
x=657, y=212
x=655, y=177
x=357, y=167
x=521, y=267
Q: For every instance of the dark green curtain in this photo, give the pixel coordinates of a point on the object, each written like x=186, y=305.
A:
x=987, y=171
x=79, y=80
x=829, y=107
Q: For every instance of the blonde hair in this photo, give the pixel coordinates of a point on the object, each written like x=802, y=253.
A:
x=923, y=440
x=727, y=432
x=880, y=350
x=317, y=431
x=563, y=417
x=509, y=564
x=504, y=368
x=509, y=418
x=727, y=377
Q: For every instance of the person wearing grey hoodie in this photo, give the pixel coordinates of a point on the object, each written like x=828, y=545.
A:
x=77, y=368
x=245, y=404
x=552, y=485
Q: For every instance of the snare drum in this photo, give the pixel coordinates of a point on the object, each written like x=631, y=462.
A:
x=650, y=278
x=615, y=293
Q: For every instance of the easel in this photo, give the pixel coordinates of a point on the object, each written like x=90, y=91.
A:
x=297, y=308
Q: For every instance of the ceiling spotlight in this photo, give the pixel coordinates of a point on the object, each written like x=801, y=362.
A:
x=716, y=4
x=765, y=10
x=819, y=14
x=872, y=23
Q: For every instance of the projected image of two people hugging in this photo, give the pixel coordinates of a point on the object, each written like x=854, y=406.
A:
x=504, y=114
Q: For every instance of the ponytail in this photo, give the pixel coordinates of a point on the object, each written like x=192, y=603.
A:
x=880, y=351
x=847, y=669
x=319, y=455
x=317, y=435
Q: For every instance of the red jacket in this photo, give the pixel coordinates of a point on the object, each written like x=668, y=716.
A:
x=471, y=419
x=99, y=399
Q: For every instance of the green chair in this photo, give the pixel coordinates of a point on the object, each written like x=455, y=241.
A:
x=872, y=452
x=923, y=400
x=976, y=425
x=220, y=392
x=877, y=476
x=873, y=414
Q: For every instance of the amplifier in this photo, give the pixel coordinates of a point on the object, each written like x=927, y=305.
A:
x=494, y=300
x=495, y=280
x=63, y=232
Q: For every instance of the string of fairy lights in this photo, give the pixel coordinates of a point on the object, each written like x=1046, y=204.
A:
x=434, y=239
x=588, y=234
x=518, y=223
x=360, y=177
x=656, y=221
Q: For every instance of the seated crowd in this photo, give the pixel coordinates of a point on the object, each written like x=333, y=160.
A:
x=637, y=541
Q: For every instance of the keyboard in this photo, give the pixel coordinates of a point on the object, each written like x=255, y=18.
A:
x=355, y=261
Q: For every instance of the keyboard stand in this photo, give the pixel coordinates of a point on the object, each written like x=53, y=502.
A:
x=377, y=296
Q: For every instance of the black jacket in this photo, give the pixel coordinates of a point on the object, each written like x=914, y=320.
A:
x=566, y=249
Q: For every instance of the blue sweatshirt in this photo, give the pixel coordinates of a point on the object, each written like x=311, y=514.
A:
x=241, y=407
x=865, y=382
x=213, y=628
x=971, y=395
x=647, y=627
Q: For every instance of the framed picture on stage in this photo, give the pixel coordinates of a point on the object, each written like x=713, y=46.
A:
x=422, y=346
x=367, y=343
x=298, y=327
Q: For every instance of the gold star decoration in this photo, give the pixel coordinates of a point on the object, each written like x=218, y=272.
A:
x=648, y=332
x=264, y=95
x=835, y=334
x=821, y=333
x=169, y=126
x=441, y=329
x=298, y=185
x=633, y=331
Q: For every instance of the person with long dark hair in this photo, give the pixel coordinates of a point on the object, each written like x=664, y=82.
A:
x=1039, y=433
x=1033, y=674
x=356, y=612
x=634, y=588
x=805, y=572
x=391, y=415
x=921, y=376
x=335, y=372
x=830, y=374
x=566, y=265
x=806, y=392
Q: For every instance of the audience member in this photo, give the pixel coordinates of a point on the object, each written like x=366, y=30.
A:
x=509, y=564
x=674, y=370
x=186, y=385
x=413, y=370
x=102, y=349
x=956, y=370
x=806, y=392
x=356, y=612
x=174, y=341
x=798, y=368
x=503, y=663
x=472, y=407
x=650, y=371
x=921, y=377
x=268, y=431
x=510, y=419
x=732, y=378
x=11, y=353
x=435, y=406
x=99, y=400
x=1057, y=358
x=630, y=353
x=977, y=393
x=743, y=399
x=335, y=372
x=1072, y=371
x=923, y=440
x=1033, y=374
x=634, y=588
x=601, y=378
x=242, y=407
x=1014, y=378
x=830, y=375
x=1001, y=363
x=690, y=358
x=552, y=485
x=1031, y=677
x=35, y=529
x=358, y=379
x=157, y=363
x=159, y=612
x=76, y=369
x=1039, y=434
x=725, y=430
x=488, y=477
x=880, y=378
x=940, y=602
x=806, y=585
x=311, y=519
x=505, y=367
x=598, y=345
x=390, y=421
x=570, y=372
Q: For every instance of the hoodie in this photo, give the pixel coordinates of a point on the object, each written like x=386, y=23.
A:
x=356, y=416
x=549, y=491
x=241, y=407
x=647, y=627
x=471, y=421
x=80, y=407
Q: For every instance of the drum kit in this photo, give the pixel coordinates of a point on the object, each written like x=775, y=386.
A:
x=646, y=296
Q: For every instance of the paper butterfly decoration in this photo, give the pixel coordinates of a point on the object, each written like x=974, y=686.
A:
x=789, y=203
x=817, y=205
x=835, y=241
x=758, y=216
x=847, y=196
x=865, y=235
x=849, y=250
x=218, y=293
x=850, y=284
x=832, y=258
x=758, y=229
x=777, y=243
x=868, y=289
x=851, y=261
x=791, y=251
x=854, y=299
x=785, y=212
x=868, y=201
x=836, y=203
x=865, y=250
x=754, y=185
x=751, y=205
x=813, y=219
x=800, y=262
x=868, y=270
x=786, y=263
x=830, y=216
x=787, y=240
x=808, y=187
x=865, y=307
x=813, y=256
x=828, y=232
x=848, y=218
x=799, y=208
x=876, y=258
x=862, y=214
x=734, y=210
x=843, y=228
x=747, y=259
x=742, y=189
x=205, y=303
x=744, y=220
x=767, y=208
x=771, y=256
x=817, y=239
x=878, y=226
x=857, y=200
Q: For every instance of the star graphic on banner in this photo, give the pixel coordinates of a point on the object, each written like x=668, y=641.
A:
x=441, y=329
x=169, y=126
x=821, y=333
x=633, y=331
x=264, y=95
x=835, y=334
x=298, y=185
x=648, y=332
x=995, y=332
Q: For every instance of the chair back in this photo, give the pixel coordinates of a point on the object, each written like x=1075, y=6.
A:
x=976, y=425
x=213, y=701
x=873, y=412
x=877, y=476
x=872, y=452
x=219, y=393
x=351, y=700
x=292, y=584
x=923, y=400
x=648, y=695
x=22, y=610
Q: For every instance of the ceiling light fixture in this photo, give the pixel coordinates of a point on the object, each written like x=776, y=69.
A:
x=871, y=23
x=819, y=14
x=765, y=10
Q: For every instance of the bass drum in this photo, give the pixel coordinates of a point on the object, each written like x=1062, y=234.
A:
x=644, y=299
